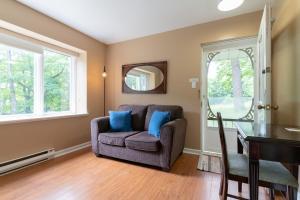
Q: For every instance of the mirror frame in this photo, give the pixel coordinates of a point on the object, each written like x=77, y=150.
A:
x=160, y=89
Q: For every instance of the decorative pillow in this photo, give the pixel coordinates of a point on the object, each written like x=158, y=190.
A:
x=120, y=121
x=158, y=119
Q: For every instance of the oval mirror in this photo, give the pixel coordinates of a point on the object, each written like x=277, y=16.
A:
x=144, y=78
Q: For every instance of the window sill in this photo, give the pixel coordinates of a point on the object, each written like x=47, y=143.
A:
x=33, y=118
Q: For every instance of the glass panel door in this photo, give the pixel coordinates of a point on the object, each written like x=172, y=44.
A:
x=230, y=85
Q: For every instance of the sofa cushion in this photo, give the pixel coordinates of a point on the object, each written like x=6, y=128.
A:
x=120, y=121
x=143, y=141
x=175, y=111
x=116, y=139
x=158, y=119
x=138, y=115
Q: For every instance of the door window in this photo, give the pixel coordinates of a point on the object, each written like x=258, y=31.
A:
x=230, y=80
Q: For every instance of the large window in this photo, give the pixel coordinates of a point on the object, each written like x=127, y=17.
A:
x=38, y=84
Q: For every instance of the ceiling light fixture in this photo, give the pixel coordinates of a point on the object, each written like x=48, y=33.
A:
x=227, y=5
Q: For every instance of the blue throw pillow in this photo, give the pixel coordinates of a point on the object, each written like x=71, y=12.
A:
x=157, y=120
x=120, y=121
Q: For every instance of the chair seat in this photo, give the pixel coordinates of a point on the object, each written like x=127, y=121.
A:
x=115, y=138
x=143, y=141
x=271, y=172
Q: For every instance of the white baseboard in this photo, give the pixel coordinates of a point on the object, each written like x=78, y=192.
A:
x=192, y=151
x=211, y=153
x=199, y=152
x=88, y=144
x=71, y=149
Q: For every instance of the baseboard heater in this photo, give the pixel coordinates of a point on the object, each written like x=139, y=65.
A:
x=26, y=161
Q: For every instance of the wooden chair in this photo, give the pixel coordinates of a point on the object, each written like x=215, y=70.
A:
x=272, y=175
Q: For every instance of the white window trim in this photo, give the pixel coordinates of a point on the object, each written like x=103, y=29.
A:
x=78, y=84
x=38, y=85
x=32, y=118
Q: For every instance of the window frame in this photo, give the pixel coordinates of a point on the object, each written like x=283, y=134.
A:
x=75, y=101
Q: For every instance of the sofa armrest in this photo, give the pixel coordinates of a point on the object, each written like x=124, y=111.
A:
x=98, y=125
x=172, y=139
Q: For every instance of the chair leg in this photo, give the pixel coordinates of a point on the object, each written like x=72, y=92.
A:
x=225, y=189
x=240, y=186
x=272, y=193
x=221, y=185
x=291, y=193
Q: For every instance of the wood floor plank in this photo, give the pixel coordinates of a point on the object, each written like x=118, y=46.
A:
x=83, y=176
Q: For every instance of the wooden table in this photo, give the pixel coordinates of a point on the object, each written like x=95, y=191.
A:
x=267, y=142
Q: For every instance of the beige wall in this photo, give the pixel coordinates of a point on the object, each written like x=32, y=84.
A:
x=181, y=48
x=286, y=62
x=23, y=138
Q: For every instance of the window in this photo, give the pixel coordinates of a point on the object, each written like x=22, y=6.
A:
x=138, y=81
x=133, y=82
x=57, y=80
x=16, y=81
x=40, y=84
x=143, y=78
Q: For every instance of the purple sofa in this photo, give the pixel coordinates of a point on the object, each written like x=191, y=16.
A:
x=138, y=145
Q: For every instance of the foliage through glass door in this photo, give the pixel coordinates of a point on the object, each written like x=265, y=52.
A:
x=230, y=81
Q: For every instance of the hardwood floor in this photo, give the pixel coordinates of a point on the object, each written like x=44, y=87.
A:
x=83, y=176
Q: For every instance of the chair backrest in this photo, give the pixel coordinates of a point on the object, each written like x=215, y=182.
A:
x=223, y=144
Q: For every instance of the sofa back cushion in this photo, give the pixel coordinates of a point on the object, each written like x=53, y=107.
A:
x=176, y=112
x=138, y=115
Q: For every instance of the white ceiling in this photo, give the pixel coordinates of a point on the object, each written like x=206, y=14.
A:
x=112, y=21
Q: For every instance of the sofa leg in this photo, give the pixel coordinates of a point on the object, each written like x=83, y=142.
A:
x=98, y=155
x=165, y=169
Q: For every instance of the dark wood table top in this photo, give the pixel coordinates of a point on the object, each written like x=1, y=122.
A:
x=268, y=133
x=268, y=142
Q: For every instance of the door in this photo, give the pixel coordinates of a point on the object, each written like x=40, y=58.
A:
x=230, y=93
x=227, y=87
x=263, y=73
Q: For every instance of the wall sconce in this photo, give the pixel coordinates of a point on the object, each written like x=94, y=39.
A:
x=104, y=73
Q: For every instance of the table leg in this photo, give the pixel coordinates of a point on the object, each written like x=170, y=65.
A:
x=240, y=149
x=239, y=145
x=253, y=178
x=292, y=192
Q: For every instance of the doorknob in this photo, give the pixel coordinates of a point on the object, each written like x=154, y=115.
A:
x=267, y=107
x=260, y=107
